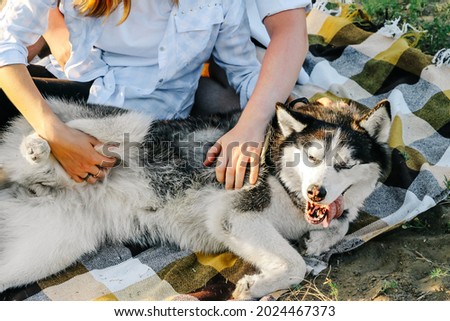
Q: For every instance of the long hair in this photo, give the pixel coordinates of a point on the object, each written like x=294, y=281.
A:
x=103, y=8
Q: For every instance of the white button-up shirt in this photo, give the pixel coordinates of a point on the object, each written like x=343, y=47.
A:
x=195, y=30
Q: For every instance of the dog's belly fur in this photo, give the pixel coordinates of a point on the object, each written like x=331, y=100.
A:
x=47, y=221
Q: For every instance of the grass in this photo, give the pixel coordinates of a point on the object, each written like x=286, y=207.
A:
x=432, y=16
x=438, y=273
x=416, y=223
x=389, y=285
x=334, y=291
x=308, y=290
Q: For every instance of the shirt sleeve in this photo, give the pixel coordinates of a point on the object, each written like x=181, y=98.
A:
x=235, y=52
x=268, y=8
x=21, y=25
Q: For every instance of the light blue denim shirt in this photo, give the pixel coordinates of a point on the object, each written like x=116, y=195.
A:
x=270, y=7
x=195, y=30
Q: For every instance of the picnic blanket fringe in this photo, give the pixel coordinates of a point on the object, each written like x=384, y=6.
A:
x=322, y=6
x=442, y=57
x=392, y=29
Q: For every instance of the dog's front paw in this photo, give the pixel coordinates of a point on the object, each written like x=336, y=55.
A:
x=315, y=247
x=320, y=241
x=256, y=286
x=243, y=290
x=35, y=149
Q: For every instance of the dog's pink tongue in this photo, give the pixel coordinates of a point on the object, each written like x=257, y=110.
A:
x=335, y=210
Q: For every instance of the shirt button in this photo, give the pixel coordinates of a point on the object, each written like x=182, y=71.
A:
x=162, y=48
x=161, y=80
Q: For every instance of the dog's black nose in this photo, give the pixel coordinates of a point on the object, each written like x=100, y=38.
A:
x=316, y=193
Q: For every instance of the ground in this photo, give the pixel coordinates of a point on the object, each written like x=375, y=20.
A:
x=411, y=263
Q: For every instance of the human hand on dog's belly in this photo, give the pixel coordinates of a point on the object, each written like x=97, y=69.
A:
x=323, y=214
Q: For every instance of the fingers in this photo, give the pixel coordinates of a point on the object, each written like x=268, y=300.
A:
x=77, y=179
x=240, y=171
x=230, y=177
x=212, y=153
x=94, y=175
x=254, y=166
x=232, y=165
x=97, y=172
x=103, y=163
x=221, y=167
x=100, y=158
x=90, y=179
x=248, y=160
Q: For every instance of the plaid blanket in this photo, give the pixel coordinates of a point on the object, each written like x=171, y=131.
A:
x=347, y=61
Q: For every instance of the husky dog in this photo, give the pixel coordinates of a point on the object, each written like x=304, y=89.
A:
x=318, y=161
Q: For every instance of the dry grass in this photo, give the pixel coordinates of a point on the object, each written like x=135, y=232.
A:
x=314, y=289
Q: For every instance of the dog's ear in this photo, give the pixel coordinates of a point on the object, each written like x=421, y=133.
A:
x=287, y=122
x=377, y=122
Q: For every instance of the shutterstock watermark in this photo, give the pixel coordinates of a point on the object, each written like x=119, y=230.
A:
x=188, y=151
x=318, y=153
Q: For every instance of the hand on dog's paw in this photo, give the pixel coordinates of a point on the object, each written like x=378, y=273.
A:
x=243, y=288
x=35, y=149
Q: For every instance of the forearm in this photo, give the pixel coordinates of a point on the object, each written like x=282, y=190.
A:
x=18, y=85
x=281, y=64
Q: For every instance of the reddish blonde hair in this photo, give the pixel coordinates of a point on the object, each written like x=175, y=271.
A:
x=103, y=8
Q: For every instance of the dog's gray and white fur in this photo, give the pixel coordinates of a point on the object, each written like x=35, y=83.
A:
x=161, y=192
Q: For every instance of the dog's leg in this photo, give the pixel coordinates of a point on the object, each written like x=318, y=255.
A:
x=322, y=240
x=256, y=240
x=31, y=258
x=37, y=240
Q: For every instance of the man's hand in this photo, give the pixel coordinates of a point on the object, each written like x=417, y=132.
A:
x=235, y=151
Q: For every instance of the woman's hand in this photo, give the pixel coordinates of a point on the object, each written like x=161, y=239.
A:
x=76, y=153
x=72, y=148
x=235, y=151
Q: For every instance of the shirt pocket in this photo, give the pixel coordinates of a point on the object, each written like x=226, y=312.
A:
x=197, y=31
x=198, y=19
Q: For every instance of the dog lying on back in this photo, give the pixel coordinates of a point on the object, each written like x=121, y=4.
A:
x=318, y=162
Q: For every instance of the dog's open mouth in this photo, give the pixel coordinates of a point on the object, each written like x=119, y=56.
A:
x=318, y=213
